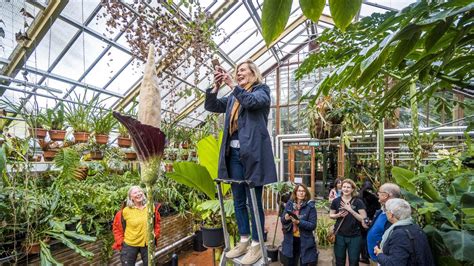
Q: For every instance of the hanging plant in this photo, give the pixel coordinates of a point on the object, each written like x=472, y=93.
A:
x=177, y=39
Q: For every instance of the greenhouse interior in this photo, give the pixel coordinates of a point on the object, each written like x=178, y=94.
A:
x=260, y=132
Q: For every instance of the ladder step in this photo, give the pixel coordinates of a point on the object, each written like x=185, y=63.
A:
x=237, y=261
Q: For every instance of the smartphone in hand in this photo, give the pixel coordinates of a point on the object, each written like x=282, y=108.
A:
x=294, y=216
x=215, y=62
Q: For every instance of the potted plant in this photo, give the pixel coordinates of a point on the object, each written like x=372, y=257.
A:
x=33, y=118
x=54, y=121
x=78, y=117
x=102, y=124
x=123, y=140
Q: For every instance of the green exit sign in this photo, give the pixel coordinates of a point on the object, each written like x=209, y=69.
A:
x=314, y=143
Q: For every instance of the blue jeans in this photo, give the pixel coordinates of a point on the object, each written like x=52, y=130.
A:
x=241, y=195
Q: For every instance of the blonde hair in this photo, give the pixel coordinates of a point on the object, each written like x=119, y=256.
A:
x=253, y=67
x=353, y=185
x=129, y=199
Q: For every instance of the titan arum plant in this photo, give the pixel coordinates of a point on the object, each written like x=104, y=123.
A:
x=148, y=139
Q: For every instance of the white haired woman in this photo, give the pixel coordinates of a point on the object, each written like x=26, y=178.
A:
x=403, y=243
x=130, y=227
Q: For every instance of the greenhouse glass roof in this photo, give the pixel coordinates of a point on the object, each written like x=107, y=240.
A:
x=62, y=51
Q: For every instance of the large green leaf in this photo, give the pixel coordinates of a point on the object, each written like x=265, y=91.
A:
x=404, y=48
x=343, y=11
x=370, y=66
x=46, y=256
x=70, y=244
x=312, y=9
x=435, y=34
x=195, y=176
x=275, y=15
x=208, y=154
x=460, y=243
x=402, y=177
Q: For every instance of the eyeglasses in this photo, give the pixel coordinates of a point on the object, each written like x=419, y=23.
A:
x=380, y=192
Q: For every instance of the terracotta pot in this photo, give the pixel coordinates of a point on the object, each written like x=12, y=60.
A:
x=49, y=155
x=124, y=142
x=57, y=134
x=169, y=167
x=33, y=248
x=184, y=157
x=81, y=137
x=193, y=154
x=184, y=145
x=39, y=133
x=96, y=155
x=101, y=139
x=130, y=156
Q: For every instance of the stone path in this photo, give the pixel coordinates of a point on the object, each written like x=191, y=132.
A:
x=193, y=258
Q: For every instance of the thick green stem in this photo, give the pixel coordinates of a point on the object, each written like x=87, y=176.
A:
x=415, y=127
x=150, y=173
x=381, y=150
x=150, y=233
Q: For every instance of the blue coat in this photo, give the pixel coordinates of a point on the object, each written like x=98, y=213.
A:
x=256, y=152
x=308, y=222
x=400, y=250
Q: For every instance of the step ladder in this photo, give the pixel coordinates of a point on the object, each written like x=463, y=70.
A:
x=264, y=260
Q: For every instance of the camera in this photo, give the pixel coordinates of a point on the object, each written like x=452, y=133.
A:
x=367, y=221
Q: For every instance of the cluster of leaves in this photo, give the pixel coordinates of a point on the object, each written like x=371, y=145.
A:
x=275, y=14
x=426, y=42
x=443, y=197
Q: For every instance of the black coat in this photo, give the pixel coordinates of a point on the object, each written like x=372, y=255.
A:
x=256, y=152
x=308, y=222
x=400, y=250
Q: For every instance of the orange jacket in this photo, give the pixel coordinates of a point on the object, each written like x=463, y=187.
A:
x=117, y=227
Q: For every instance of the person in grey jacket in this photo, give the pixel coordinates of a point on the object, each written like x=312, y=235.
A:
x=246, y=150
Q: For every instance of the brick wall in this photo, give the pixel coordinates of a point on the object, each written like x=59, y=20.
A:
x=173, y=228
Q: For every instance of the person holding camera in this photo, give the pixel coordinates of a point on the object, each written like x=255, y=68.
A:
x=349, y=212
x=299, y=221
x=246, y=150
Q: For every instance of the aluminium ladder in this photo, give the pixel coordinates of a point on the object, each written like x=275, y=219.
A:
x=264, y=260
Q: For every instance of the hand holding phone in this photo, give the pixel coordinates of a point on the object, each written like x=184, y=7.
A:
x=217, y=77
x=294, y=216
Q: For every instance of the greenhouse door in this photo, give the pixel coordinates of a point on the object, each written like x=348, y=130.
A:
x=301, y=165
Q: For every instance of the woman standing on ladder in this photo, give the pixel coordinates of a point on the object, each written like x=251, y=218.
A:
x=246, y=150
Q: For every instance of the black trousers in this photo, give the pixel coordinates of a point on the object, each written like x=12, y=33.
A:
x=297, y=254
x=128, y=254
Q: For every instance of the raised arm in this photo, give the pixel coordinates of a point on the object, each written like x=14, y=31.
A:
x=257, y=99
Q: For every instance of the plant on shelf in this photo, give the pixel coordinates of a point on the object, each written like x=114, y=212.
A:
x=78, y=116
x=123, y=140
x=33, y=117
x=183, y=136
x=54, y=121
x=102, y=124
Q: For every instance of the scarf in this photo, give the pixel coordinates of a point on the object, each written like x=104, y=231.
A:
x=234, y=114
x=389, y=231
x=296, y=210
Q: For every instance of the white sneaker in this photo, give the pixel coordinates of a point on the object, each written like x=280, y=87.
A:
x=238, y=250
x=253, y=255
